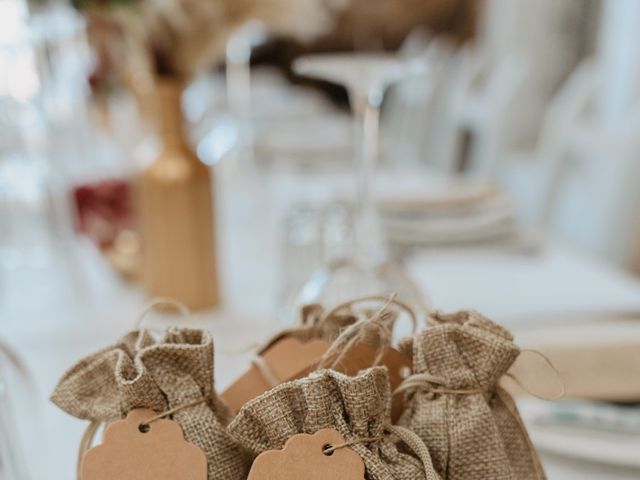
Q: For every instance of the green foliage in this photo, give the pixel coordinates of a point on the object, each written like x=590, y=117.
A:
x=84, y=5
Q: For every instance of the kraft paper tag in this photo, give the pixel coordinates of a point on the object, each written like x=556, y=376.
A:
x=290, y=358
x=161, y=453
x=598, y=372
x=287, y=359
x=303, y=456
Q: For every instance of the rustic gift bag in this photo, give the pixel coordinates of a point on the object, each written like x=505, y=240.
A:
x=344, y=338
x=357, y=407
x=454, y=403
x=174, y=374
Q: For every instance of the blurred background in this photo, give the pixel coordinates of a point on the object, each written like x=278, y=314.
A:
x=247, y=157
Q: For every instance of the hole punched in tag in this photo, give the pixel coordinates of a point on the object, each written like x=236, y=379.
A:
x=144, y=428
x=327, y=449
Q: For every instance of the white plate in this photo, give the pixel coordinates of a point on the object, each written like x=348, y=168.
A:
x=584, y=430
x=622, y=450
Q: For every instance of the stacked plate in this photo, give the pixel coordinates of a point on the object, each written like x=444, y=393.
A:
x=597, y=360
x=460, y=215
x=598, y=432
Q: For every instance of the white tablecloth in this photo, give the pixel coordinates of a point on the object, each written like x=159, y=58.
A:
x=51, y=333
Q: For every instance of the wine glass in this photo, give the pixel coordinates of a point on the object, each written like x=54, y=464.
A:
x=238, y=75
x=366, y=77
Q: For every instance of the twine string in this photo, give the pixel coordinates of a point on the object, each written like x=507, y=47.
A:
x=417, y=445
x=164, y=301
x=357, y=332
x=411, y=439
x=387, y=299
x=171, y=411
x=353, y=335
x=563, y=388
x=429, y=383
x=329, y=449
x=313, y=319
x=85, y=444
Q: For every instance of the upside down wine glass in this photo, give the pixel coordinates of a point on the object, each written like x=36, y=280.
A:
x=369, y=270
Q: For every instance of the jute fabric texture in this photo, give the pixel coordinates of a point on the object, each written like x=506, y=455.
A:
x=139, y=372
x=358, y=407
x=470, y=425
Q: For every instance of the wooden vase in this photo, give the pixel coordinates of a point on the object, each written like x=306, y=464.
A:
x=177, y=212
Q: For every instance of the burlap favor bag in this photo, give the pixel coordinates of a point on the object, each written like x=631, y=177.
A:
x=357, y=407
x=320, y=340
x=470, y=425
x=174, y=372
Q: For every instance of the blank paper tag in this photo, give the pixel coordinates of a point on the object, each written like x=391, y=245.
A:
x=290, y=358
x=303, y=457
x=126, y=453
x=287, y=359
x=595, y=372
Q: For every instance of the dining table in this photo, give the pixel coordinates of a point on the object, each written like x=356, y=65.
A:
x=52, y=323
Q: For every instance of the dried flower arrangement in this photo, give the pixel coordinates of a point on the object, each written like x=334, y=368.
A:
x=140, y=39
x=154, y=47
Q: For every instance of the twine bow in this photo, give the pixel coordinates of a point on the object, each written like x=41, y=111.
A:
x=358, y=331
x=409, y=438
x=430, y=384
x=313, y=321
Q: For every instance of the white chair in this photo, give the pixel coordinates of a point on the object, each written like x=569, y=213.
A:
x=534, y=178
x=410, y=116
x=499, y=86
x=579, y=183
x=483, y=111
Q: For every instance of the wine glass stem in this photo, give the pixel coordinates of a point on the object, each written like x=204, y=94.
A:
x=369, y=244
x=238, y=76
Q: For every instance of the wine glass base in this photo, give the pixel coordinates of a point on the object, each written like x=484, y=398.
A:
x=346, y=279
